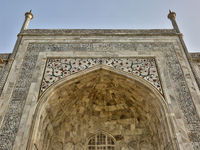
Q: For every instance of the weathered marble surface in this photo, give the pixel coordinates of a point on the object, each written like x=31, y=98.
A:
x=195, y=56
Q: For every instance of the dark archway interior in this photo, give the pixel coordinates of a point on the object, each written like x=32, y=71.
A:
x=102, y=101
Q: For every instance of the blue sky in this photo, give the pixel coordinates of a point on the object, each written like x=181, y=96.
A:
x=99, y=14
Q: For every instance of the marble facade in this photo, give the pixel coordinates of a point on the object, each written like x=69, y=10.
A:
x=100, y=89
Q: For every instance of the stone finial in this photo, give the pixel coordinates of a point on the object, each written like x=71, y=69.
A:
x=29, y=14
x=171, y=15
x=28, y=17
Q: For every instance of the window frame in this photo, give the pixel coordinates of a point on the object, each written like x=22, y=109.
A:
x=106, y=145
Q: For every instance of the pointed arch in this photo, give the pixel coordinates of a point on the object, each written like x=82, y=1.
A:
x=135, y=102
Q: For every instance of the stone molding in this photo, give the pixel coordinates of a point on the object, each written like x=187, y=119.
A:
x=5, y=58
x=97, y=31
x=195, y=60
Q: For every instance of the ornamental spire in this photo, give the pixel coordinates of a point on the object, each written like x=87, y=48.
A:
x=28, y=17
x=172, y=17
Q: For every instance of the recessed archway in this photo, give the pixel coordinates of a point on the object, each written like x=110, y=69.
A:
x=102, y=99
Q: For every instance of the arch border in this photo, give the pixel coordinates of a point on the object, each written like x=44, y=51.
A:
x=98, y=132
x=48, y=92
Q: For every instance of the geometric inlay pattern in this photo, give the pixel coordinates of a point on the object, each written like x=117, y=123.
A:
x=57, y=68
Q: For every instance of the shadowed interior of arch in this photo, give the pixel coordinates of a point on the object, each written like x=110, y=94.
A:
x=102, y=101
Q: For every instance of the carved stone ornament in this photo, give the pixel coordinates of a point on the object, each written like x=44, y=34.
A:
x=98, y=31
x=56, y=68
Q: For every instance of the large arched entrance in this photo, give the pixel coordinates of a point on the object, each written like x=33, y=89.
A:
x=101, y=104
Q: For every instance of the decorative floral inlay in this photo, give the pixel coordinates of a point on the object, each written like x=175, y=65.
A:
x=58, y=68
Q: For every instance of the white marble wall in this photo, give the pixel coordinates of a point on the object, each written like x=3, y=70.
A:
x=181, y=128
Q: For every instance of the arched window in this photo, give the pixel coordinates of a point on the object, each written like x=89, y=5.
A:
x=101, y=142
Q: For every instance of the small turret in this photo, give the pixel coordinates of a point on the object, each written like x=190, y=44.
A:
x=28, y=17
x=172, y=17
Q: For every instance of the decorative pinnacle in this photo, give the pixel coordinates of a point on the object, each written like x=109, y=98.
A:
x=171, y=15
x=29, y=14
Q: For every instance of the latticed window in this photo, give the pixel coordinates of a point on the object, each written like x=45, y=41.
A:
x=101, y=141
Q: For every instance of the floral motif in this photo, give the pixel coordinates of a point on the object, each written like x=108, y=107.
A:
x=58, y=68
x=5, y=56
